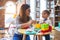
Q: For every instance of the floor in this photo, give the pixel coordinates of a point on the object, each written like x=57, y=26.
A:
x=31, y=37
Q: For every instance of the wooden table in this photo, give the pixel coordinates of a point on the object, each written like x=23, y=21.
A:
x=57, y=33
x=39, y=35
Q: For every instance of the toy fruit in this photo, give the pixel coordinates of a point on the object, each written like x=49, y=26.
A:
x=37, y=26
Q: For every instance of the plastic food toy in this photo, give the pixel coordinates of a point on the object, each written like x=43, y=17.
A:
x=37, y=26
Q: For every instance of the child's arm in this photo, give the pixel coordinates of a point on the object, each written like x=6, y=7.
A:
x=50, y=23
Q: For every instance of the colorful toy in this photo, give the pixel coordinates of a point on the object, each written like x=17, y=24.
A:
x=37, y=26
x=46, y=28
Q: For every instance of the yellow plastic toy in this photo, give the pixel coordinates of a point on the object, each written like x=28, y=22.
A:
x=37, y=26
x=44, y=28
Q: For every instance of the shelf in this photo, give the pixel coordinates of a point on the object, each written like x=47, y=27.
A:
x=49, y=0
x=57, y=10
x=57, y=5
x=57, y=16
x=57, y=21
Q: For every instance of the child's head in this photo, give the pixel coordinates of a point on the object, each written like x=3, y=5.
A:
x=45, y=14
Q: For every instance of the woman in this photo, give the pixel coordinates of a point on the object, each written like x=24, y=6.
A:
x=23, y=20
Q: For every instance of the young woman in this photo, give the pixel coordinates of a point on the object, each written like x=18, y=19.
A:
x=23, y=20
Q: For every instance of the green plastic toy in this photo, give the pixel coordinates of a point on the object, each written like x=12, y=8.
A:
x=44, y=26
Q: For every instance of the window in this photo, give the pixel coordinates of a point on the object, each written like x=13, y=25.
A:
x=10, y=10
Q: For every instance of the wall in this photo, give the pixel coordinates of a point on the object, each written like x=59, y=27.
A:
x=42, y=6
x=33, y=12
x=1, y=18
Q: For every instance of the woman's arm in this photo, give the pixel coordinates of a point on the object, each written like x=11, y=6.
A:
x=23, y=25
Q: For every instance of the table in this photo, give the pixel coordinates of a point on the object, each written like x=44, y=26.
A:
x=39, y=35
x=57, y=33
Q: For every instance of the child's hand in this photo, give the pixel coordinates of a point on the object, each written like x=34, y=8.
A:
x=34, y=22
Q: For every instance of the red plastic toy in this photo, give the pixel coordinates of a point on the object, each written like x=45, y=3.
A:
x=49, y=30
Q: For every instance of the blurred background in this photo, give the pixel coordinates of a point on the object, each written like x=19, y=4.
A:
x=9, y=9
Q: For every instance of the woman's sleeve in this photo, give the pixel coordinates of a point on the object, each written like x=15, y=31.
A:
x=18, y=25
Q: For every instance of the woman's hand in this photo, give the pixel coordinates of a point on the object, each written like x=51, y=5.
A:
x=32, y=22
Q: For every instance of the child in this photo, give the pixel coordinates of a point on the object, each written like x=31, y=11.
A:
x=44, y=19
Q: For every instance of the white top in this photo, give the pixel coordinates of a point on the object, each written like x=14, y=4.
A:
x=48, y=21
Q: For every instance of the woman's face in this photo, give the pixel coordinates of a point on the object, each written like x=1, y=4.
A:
x=28, y=12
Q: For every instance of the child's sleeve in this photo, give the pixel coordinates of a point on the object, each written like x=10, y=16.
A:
x=50, y=23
